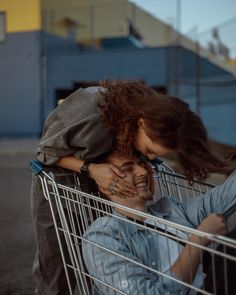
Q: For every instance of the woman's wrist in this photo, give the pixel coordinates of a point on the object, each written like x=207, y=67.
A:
x=84, y=169
x=91, y=168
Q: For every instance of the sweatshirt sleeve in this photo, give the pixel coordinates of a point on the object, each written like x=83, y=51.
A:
x=75, y=128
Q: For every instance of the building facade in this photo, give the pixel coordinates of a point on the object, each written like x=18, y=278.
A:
x=53, y=47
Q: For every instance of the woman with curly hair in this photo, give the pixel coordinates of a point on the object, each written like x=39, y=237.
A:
x=127, y=116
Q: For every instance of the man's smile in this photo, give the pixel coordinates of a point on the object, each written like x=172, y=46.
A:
x=141, y=183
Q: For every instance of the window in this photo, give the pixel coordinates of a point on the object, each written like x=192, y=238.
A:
x=2, y=26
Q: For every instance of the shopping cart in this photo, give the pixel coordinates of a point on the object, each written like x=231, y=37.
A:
x=74, y=211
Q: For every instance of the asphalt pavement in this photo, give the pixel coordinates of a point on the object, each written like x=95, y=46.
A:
x=17, y=245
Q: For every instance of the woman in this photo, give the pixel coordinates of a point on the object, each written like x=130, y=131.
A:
x=127, y=116
x=124, y=115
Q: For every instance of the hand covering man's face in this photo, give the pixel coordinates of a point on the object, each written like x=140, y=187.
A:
x=135, y=173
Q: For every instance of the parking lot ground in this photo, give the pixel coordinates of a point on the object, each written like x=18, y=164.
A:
x=17, y=239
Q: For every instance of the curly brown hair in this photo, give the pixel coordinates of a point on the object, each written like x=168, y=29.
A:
x=168, y=121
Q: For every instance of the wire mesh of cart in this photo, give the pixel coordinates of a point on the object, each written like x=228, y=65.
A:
x=103, y=252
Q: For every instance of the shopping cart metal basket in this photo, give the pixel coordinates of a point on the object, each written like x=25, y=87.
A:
x=78, y=210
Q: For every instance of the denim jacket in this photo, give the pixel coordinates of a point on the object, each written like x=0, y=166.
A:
x=128, y=240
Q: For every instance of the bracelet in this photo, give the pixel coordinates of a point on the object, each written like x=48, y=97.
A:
x=84, y=169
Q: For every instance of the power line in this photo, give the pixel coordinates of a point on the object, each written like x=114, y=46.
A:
x=227, y=22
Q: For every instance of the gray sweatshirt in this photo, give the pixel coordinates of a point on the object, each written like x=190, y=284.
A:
x=75, y=128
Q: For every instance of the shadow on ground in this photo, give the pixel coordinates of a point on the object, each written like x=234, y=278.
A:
x=17, y=240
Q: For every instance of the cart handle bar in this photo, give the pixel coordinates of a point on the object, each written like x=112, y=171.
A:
x=36, y=166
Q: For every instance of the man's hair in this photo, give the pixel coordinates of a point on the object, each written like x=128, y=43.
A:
x=168, y=121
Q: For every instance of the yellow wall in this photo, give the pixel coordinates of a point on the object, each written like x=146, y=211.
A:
x=22, y=15
x=153, y=31
x=103, y=19
x=95, y=19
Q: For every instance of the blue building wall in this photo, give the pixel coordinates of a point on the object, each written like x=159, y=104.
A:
x=217, y=99
x=218, y=108
x=207, y=69
x=34, y=65
x=218, y=111
x=52, y=43
x=20, y=85
x=220, y=121
x=65, y=69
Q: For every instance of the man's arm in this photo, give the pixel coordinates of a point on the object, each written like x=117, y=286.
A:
x=124, y=271
x=188, y=262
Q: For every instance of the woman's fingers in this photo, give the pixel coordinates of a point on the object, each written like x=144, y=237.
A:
x=111, y=179
x=120, y=187
x=123, y=194
x=117, y=171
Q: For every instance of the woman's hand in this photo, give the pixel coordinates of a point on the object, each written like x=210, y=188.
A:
x=213, y=224
x=110, y=178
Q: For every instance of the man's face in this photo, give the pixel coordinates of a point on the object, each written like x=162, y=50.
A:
x=135, y=174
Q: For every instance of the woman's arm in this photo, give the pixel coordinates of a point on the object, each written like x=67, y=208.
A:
x=70, y=163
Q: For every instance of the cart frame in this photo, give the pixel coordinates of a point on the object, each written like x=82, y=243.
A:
x=77, y=210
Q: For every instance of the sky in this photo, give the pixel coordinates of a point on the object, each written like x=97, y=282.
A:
x=197, y=16
x=203, y=14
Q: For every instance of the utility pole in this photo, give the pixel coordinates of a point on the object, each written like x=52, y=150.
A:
x=177, y=46
x=197, y=78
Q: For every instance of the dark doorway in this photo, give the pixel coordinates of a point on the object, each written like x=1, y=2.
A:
x=160, y=89
x=63, y=93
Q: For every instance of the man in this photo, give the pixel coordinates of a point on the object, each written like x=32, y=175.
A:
x=134, y=250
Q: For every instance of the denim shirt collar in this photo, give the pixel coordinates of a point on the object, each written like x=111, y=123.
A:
x=131, y=227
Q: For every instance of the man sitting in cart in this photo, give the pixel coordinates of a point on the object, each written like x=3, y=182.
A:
x=125, y=253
